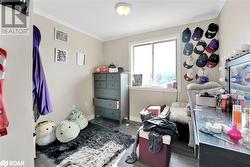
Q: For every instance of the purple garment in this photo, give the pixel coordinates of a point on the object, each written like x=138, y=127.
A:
x=41, y=99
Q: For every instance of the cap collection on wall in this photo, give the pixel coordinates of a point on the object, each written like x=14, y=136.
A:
x=197, y=44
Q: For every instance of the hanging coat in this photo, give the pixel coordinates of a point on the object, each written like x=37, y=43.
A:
x=41, y=99
x=3, y=116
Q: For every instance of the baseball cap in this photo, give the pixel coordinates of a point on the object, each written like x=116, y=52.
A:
x=202, y=60
x=213, y=60
x=200, y=47
x=212, y=46
x=198, y=33
x=211, y=31
x=189, y=75
x=189, y=63
x=186, y=35
x=188, y=49
x=202, y=76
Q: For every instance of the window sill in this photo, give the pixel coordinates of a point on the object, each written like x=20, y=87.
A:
x=152, y=88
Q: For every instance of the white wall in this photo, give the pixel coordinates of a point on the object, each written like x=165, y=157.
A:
x=234, y=20
x=117, y=51
x=69, y=84
x=18, y=144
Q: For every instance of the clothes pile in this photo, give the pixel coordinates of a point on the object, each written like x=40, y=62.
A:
x=157, y=127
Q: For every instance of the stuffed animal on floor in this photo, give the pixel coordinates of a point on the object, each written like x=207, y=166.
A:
x=77, y=117
x=45, y=133
x=67, y=131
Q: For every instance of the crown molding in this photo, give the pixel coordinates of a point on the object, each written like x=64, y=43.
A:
x=117, y=37
x=41, y=13
x=160, y=28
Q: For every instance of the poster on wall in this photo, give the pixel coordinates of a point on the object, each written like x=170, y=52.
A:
x=61, y=35
x=80, y=58
x=61, y=56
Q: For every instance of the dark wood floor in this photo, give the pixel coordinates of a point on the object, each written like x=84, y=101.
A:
x=181, y=154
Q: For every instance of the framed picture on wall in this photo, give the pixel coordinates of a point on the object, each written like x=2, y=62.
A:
x=80, y=58
x=137, y=80
x=61, y=56
x=61, y=35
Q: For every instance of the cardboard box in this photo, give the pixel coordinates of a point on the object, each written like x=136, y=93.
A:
x=155, y=110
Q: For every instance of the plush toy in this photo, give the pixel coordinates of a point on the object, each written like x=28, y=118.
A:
x=77, y=117
x=45, y=133
x=67, y=131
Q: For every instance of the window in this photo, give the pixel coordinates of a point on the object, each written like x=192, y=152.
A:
x=155, y=62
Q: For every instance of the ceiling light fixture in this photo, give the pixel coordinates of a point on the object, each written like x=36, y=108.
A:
x=123, y=8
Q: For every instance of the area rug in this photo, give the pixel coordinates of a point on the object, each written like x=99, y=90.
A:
x=96, y=146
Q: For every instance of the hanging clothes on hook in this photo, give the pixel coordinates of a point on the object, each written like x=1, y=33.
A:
x=4, y=123
x=41, y=99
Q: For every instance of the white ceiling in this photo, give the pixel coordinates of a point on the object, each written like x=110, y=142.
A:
x=99, y=19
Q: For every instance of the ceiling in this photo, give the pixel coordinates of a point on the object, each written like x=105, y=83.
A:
x=99, y=19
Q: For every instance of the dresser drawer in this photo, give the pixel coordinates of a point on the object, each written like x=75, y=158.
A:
x=100, y=77
x=113, y=77
x=113, y=84
x=100, y=84
x=110, y=104
x=107, y=93
x=107, y=113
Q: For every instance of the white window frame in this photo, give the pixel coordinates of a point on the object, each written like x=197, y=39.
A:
x=178, y=62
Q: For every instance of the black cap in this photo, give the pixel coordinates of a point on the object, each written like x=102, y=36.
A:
x=212, y=30
x=200, y=47
x=189, y=63
x=202, y=60
x=198, y=33
x=213, y=60
x=186, y=35
x=188, y=49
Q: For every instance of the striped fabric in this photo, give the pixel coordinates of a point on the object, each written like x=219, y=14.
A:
x=3, y=117
x=3, y=56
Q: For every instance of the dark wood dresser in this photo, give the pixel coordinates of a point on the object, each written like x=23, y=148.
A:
x=111, y=95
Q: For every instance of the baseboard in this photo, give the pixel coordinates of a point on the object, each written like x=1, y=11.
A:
x=132, y=118
x=136, y=119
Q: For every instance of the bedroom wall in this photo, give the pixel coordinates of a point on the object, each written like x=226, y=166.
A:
x=69, y=84
x=234, y=20
x=18, y=144
x=117, y=51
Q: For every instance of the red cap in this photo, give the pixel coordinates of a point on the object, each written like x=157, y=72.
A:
x=211, y=65
x=3, y=52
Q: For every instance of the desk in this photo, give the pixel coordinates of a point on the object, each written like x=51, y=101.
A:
x=211, y=151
